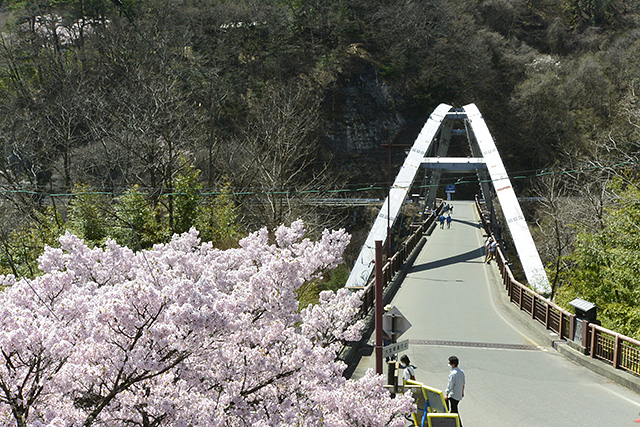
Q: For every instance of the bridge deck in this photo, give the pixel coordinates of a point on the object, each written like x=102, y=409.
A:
x=452, y=298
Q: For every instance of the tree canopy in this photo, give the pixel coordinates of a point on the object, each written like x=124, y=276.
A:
x=134, y=120
x=603, y=267
x=185, y=334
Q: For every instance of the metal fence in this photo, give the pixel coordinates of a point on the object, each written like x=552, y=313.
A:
x=620, y=351
x=395, y=263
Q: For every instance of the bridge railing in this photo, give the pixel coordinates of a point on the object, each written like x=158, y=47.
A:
x=620, y=351
x=540, y=308
x=395, y=263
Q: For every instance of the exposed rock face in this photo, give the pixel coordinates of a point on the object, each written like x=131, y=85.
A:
x=362, y=114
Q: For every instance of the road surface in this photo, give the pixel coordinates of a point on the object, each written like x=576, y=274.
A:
x=451, y=296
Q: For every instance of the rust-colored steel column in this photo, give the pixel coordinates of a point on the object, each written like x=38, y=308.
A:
x=379, y=280
x=616, y=352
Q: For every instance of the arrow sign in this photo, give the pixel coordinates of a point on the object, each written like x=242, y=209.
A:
x=401, y=323
x=395, y=348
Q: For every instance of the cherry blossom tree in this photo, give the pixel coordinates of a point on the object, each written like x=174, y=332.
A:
x=185, y=335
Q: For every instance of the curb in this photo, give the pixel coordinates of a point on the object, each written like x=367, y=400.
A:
x=565, y=348
x=349, y=353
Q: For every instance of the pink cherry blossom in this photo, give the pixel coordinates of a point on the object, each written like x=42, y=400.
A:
x=185, y=335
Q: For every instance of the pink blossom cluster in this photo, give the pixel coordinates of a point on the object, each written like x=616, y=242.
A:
x=185, y=335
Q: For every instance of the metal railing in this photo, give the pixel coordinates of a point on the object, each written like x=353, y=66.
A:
x=620, y=351
x=395, y=263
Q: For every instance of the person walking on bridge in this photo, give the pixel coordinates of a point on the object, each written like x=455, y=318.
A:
x=487, y=243
x=455, y=387
x=441, y=219
x=448, y=220
x=409, y=369
x=493, y=246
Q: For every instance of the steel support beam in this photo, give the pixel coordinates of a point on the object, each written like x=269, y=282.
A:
x=454, y=164
x=485, y=161
x=526, y=248
x=441, y=150
x=397, y=194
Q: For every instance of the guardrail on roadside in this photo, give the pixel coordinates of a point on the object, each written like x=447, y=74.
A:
x=620, y=351
x=395, y=263
x=390, y=270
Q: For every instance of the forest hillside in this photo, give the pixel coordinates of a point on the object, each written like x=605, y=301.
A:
x=139, y=119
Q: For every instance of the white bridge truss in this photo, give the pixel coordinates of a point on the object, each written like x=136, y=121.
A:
x=485, y=159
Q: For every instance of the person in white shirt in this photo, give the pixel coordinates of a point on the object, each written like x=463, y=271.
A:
x=493, y=246
x=409, y=369
x=455, y=387
x=487, y=243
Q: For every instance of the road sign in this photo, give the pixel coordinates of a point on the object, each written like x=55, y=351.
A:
x=395, y=348
x=394, y=323
x=451, y=188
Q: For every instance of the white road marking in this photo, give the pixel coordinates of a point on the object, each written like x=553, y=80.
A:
x=633, y=402
x=491, y=292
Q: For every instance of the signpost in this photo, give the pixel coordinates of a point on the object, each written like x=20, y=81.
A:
x=450, y=189
x=394, y=323
x=395, y=348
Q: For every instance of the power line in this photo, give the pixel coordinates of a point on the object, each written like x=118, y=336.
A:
x=350, y=188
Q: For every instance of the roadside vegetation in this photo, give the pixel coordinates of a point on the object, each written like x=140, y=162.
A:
x=136, y=120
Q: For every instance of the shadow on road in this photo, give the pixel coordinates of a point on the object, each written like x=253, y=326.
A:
x=472, y=224
x=476, y=253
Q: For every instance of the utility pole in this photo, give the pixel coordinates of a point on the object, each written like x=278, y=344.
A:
x=378, y=322
x=389, y=200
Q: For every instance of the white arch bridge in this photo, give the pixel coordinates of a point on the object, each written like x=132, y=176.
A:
x=484, y=158
x=528, y=362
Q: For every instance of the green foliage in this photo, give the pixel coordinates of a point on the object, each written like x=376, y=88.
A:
x=332, y=281
x=217, y=219
x=590, y=12
x=86, y=216
x=137, y=222
x=336, y=278
x=185, y=202
x=132, y=219
x=605, y=264
x=22, y=246
x=187, y=77
x=562, y=104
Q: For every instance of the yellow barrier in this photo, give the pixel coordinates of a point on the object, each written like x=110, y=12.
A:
x=429, y=400
x=443, y=420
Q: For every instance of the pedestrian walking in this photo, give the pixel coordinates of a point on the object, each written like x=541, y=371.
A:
x=455, y=386
x=487, y=243
x=493, y=246
x=441, y=219
x=409, y=369
x=449, y=221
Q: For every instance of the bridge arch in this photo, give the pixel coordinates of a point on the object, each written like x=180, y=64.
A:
x=484, y=160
